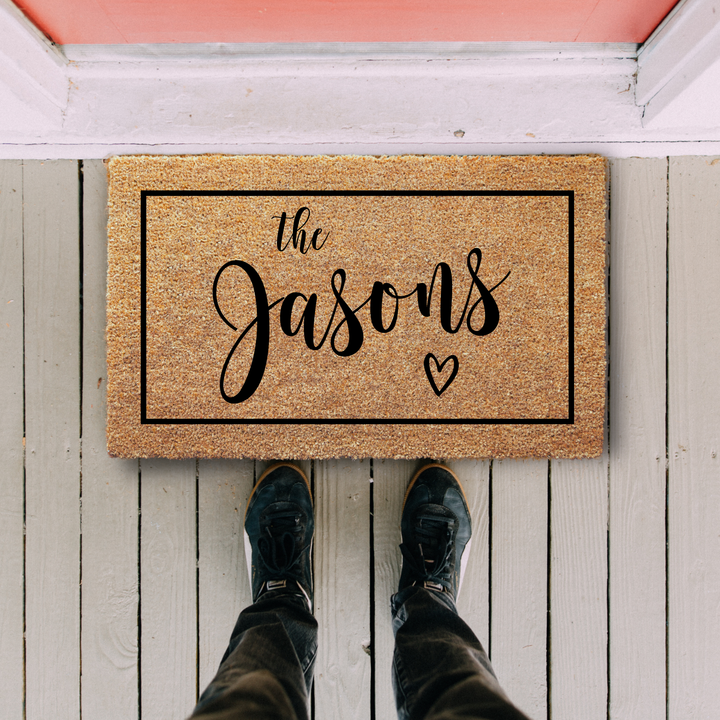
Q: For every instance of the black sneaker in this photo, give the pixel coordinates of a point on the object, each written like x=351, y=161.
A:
x=436, y=531
x=279, y=528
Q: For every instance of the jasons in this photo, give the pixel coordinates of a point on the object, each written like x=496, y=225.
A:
x=347, y=315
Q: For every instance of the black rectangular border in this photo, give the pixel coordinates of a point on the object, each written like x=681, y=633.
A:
x=569, y=420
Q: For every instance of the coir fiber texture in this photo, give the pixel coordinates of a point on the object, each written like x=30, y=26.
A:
x=316, y=307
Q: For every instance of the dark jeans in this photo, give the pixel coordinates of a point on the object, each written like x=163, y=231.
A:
x=440, y=670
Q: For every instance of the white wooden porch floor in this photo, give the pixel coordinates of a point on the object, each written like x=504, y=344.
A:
x=594, y=584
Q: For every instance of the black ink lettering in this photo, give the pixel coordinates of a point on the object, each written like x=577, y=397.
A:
x=262, y=336
x=298, y=234
x=307, y=320
x=286, y=311
x=446, y=297
x=299, y=237
x=281, y=231
x=316, y=235
x=309, y=324
x=492, y=314
x=349, y=321
x=354, y=327
x=376, y=306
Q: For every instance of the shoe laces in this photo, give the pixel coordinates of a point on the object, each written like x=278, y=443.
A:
x=435, y=544
x=279, y=545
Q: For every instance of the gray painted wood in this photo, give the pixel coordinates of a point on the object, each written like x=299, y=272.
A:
x=578, y=588
x=694, y=438
x=390, y=480
x=637, y=439
x=52, y=392
x=168, y=589
x=224, y=587
x=110, y=583
x=11, y=439
x=474, y=598
x=519, y=582
x=342, y=595
x=519, y=495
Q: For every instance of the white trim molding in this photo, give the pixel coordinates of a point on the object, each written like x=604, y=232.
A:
x=679, y=68
x=33, y=80
x=445, y=98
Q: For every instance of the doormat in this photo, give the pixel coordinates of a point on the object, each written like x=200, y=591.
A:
x=317, y=307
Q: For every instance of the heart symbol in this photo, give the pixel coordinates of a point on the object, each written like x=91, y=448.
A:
x=439, y=366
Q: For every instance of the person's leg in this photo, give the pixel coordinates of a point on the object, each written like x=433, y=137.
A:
x=440, y=669
x=266, y=672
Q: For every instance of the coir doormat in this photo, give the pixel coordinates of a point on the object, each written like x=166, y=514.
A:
x=315, y=307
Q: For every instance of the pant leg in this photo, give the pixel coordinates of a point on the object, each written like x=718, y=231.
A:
x=440, y=669
x=266, y=672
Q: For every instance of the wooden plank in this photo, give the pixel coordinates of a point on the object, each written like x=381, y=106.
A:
x=168, y=589
x=224, y=587
x=52, y=396
x=474, y=598
x=11, y=439
x=390, y=480
x=637, y=439
x=519, y=581
x=109, y=498
x=342, y=597
x=693, y=438
x=578, y=588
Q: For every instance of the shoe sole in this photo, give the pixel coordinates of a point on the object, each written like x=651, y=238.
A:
x=246, y=537
x=466, y=552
